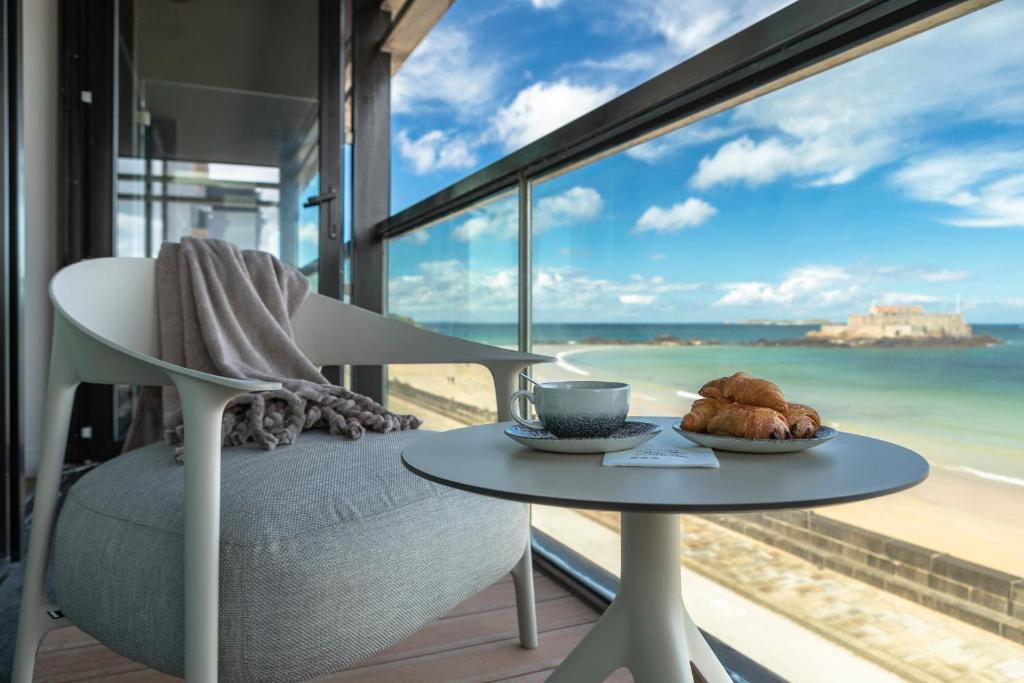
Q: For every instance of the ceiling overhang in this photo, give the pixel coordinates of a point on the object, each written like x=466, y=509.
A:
x=411, y=21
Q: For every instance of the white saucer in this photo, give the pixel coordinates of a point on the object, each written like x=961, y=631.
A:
x=737, y=445
x=630, y=435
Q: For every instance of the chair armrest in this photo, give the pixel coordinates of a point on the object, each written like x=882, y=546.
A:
x=244, y=386
x=333, y=333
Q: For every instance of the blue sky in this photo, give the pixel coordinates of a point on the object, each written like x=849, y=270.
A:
x=898, y=177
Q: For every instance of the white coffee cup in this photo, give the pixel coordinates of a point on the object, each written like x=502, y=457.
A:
x=575, y=410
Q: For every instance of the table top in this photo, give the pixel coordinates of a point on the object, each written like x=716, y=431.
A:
x=847, y=468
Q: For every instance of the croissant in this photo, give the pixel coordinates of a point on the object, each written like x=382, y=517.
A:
x=743, y=388
x=803, y=420
x=748, y=422
x=702, y=410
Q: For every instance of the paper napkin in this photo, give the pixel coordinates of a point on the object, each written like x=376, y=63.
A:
x=660, y=456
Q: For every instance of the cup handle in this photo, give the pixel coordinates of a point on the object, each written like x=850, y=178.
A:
x=513, y=408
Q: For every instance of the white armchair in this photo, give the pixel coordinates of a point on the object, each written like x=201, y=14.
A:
x=105, y=331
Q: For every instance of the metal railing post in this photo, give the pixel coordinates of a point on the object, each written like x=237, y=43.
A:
x=525, y=264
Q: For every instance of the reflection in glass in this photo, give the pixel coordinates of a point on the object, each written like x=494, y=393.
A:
x=218, y=132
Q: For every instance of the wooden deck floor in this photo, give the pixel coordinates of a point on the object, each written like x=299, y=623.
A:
x=476, y=642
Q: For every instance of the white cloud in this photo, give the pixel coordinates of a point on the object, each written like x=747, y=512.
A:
x=834, y=127
x=648, y=61
x=945, y=275
x=699, y=133
x=543, y=107
x=500, y=219
x=668, y=30
x=806, y=286
x=976, y=304
x=688, y=214
x=546, y=4
x=419, y=237
x=444, y=290
x=572, y=292
x=841, y=289
x=984, y=185
x=448, y=289
x=446, y=71
x=574, y=205
x=434, y=151
x=637, y=299
x=824, y=160
x=691, y=26
x=908, y=298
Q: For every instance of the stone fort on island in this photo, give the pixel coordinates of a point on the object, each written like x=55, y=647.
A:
x=896, y=322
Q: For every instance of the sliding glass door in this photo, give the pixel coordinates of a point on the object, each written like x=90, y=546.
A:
x=218, y=134
x=203, y=119
x=10, y=288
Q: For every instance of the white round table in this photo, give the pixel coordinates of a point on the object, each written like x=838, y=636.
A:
x=646, y=628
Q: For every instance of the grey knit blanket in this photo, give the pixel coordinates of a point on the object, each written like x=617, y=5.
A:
x=227, y=311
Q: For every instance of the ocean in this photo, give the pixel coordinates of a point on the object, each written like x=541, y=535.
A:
x=961, y=408
x=504, y=334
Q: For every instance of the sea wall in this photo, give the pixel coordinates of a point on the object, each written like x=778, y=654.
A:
x=986, y=598
x=456, y=410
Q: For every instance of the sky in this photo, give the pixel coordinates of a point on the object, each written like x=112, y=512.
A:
x=895, y=178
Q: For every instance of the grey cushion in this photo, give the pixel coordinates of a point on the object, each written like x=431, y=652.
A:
x=330, y=552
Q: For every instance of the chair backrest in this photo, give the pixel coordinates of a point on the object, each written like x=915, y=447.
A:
x=114, y=301
x=111, y=298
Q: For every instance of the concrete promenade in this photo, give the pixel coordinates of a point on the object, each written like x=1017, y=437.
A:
x=803, y=622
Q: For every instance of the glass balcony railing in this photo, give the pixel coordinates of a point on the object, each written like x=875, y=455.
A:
x=853, y=236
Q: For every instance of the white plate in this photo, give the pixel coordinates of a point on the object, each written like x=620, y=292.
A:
x=630, y=435
x=737, y=445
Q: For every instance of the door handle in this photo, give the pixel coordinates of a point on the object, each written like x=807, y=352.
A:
x=328, y=196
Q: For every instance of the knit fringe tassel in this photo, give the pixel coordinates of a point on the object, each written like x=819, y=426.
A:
x=273, y=418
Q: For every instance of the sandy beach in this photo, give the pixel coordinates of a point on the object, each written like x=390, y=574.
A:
x=953, y=511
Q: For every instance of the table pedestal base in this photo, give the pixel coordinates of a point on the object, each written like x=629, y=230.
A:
x=646, y=628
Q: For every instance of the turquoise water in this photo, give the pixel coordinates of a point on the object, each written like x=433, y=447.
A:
x=962, y=408
x=958, y=407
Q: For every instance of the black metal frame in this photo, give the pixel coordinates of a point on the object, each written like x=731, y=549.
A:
x=371, y=169
x=331, y=124
x=86, y=191
x=11, y=239
x=333, y=19
x=87, y=134
x=798, y=40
